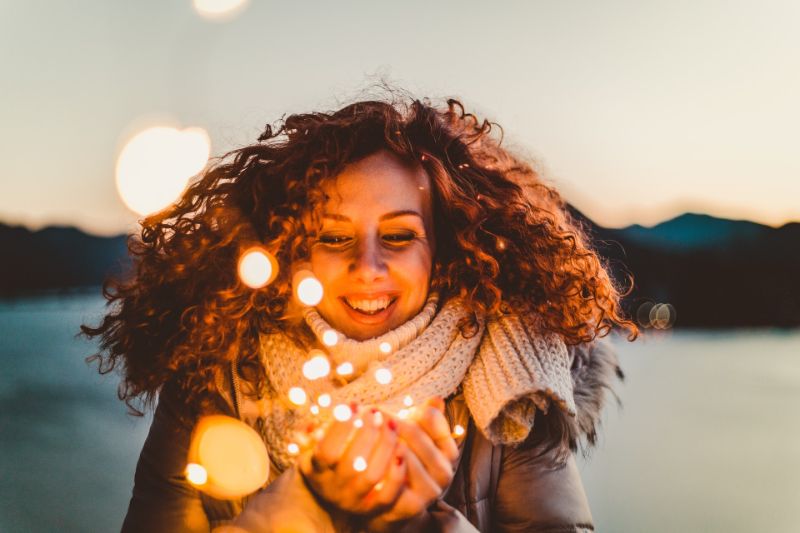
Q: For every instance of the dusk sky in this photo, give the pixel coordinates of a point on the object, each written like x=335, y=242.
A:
x=637, y=111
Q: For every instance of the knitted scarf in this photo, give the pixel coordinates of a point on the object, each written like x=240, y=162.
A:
x=506, y=370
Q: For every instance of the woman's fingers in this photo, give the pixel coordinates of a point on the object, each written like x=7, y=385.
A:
x=434, y=423
x=375, y=454
x=385, y=492
x=330, y=448
x=420, y=481
x=437, y=464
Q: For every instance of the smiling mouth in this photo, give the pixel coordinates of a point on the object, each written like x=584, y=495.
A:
x=369, y=307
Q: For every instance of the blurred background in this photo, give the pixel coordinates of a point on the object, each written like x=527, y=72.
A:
x=670, y=128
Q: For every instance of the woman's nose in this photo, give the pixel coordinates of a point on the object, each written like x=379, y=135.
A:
x=368, y=265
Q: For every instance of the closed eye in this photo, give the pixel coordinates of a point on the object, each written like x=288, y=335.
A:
x=334, y=240
x=399, y=238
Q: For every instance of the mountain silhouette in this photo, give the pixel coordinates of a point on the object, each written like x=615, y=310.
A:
x=714, y=272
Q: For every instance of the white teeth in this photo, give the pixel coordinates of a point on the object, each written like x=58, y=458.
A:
x=370, y=306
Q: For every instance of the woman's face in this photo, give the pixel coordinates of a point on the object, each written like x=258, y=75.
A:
x=375, y=247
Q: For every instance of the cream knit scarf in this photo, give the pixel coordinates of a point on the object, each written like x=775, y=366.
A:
x=506, y=369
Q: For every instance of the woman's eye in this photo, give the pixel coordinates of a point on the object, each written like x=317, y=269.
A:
x=334, y=239
x=399, y=238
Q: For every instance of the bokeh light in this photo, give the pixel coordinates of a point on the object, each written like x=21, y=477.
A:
x=458, y=430
x=155, y=165
x=385, y=347
x=359, y=464
x=342, y=412
x=293, y=448
x=219, y=10
x=408, y=401
x=330, y=338
x=232, y=455
x=345, y=369
x=307, y=287
x=383, y=376
x=324, y=400
x=297, y=396
x=317, y=366
x=196, y=474
x=257, y=267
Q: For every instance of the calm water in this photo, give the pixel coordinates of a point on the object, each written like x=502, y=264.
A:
x=708, y=438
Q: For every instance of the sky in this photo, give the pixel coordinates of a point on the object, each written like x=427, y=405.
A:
x=636, y=110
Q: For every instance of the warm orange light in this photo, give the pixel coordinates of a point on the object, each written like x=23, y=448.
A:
x=232, y=455
x=297, y=396
x=257, y=267
x=458, y=430
x=307, y=287
x=154, y=167
x=196, y=474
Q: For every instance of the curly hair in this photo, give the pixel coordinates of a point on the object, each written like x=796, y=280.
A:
x=184, y=315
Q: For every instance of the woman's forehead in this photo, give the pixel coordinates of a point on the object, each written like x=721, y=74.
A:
x=379, y=182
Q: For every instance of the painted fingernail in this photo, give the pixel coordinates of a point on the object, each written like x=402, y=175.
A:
x=400, y=460
x=392, y=424
x=373, y=410
x=354, y=407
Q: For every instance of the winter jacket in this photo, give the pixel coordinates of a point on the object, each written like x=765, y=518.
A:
x=534, y=487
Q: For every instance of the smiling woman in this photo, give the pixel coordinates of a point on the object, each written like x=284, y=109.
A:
x=442, y=376
x=373, y=254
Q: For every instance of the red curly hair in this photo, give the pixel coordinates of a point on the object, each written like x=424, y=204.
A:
x=184, y=315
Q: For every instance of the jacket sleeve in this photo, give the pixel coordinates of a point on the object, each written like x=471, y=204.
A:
x=162, y=498
x=536, y=493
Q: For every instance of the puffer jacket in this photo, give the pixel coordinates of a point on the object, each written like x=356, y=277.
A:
x=534, y=487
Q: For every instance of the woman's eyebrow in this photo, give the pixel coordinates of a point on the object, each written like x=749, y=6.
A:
x=387, y=216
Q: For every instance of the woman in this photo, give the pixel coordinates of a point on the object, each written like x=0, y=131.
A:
x=444, y=260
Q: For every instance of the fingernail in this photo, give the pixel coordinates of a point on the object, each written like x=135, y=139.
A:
x=309, y=427
x=399, y=460
x=392, y=424
x=354, y=407
x=373, y=410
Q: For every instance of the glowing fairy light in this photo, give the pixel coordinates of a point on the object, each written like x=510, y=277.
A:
x=403, y=413
x=297, y=396
x=458, y=430
x=358, y=423
x=324, y=400
x=155, y=165
x=196, y=474
x=342, y=412
x=345, y=369
x=330, y=338
x=257, y=268
x=378, y=486
x=385, y=347
x=317, y=366
x=314, y=409
x=408, y=401
x=359, y=464
x=377, y=419
x=383, y=376
x=293, y=448
x=307, y=287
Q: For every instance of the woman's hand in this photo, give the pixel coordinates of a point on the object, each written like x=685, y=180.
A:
x=432, y=453
x=330, y=468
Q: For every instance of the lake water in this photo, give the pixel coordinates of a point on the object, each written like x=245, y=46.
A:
x=708, y=438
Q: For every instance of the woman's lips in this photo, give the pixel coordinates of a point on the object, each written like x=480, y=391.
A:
x=366, y=319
